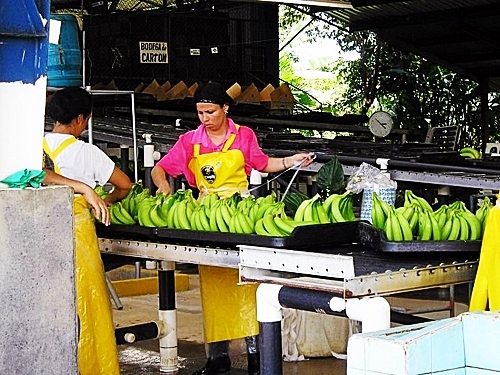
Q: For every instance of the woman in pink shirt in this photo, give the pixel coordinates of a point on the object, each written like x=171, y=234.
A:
x=218, y=157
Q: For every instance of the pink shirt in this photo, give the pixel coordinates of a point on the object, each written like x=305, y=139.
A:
x=175, y=162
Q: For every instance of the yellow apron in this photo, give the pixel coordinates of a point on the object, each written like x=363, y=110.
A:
x=97, y=352
x=229, y=309
x=486, y=291
x=222, y=171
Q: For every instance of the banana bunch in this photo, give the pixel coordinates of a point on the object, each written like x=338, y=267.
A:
x=483, y=211
x=179, y=214
x=336, y=208
x=380, y=211
x=125, y=211
x=461, y=224
x=470, y=153
x=396, y=227
x=119, y=215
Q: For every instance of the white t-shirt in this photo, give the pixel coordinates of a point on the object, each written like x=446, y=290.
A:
x=81, y=161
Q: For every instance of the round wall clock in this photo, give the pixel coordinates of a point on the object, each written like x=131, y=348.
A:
x=380, y=124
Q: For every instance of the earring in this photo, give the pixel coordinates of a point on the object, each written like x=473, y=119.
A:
x=225, y=112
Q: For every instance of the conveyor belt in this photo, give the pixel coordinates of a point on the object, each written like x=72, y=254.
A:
x=119, y=131
x=357, y=274
x=353, y=271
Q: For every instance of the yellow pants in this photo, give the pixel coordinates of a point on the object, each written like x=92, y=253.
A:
x=97, y=352
x=486, y=291
x=229, y=309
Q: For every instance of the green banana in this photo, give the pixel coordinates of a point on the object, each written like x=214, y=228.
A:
x=455, y=228
x=182, y=215
x=123, y=215
x=112, y=215
x=155, y=218
x=405, y=226
x=464, y=227
x=259, y=228
x=262, y=208
x=270, y=226
x=143, y=213
x=388, y=228
x=222, y=224
x=171, y=214
x=283, y=225
x=308, y=211
x=424, y=226
x=212, y=219
x=335, y=212
x=203, y=218
x=245, y=222
x=446, y=229
x=377, y=213
x=322, y=215
x=474, y=224
x=469, y=152
x=299, y=214
x=397, y=232
x=328, y=202
x=436, y=229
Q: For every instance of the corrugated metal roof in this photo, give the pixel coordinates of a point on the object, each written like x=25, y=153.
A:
x=461, y=35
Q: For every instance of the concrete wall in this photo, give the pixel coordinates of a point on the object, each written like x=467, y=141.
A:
x=38, y=321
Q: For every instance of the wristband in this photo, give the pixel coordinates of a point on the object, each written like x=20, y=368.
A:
x=283, y=160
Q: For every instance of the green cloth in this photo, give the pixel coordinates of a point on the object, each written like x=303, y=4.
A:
x=25, y=178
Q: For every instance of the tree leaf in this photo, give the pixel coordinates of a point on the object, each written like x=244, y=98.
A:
x=330, y=178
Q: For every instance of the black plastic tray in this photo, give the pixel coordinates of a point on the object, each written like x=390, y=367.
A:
x=368, y=235
x=308, y=237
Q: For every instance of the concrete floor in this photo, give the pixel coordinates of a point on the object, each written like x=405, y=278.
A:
x=142, y=358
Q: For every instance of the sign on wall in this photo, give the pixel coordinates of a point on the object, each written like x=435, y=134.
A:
x=153, y=53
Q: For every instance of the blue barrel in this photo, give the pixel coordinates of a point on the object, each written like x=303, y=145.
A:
x=65, y=58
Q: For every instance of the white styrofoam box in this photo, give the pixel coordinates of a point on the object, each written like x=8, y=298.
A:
x=448, y=349
x=479, y=371
x=356, y=352
x=416, y=349
x=481, y=338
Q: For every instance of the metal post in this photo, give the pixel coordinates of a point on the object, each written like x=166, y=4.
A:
x=124, y=158
x=168, y=315
x=149, y=162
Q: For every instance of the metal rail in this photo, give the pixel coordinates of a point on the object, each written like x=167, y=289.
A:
x=301, y=269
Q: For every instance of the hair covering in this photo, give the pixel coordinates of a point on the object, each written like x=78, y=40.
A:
x=212, y=92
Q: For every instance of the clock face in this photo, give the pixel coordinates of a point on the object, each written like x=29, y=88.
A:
x=380, y=124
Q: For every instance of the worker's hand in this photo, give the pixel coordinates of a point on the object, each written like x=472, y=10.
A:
x=98, y=206
x=303, y=158
x=164, y=188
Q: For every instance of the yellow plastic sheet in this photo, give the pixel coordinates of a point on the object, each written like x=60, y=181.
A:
x=229, y=309
x=486, y=291
x=97, y=352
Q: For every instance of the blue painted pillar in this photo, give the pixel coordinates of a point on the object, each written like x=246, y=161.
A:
x=24, y=29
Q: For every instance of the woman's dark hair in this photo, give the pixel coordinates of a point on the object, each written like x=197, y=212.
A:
x=68, y=103
x=212, y=92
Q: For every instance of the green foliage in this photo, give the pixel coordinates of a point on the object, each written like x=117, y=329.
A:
x=330, y=178
x=418, y=93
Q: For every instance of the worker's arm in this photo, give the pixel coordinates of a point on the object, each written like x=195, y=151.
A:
x=159, y=178
x=98, y=206
x=280, y=164
x=121, y=186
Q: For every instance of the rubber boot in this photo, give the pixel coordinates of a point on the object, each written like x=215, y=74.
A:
x=253, y=355
x=218, y=359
